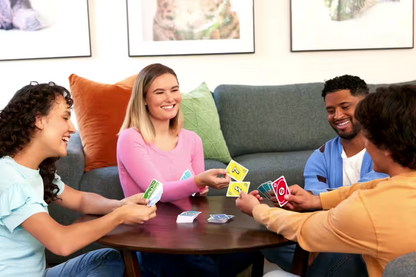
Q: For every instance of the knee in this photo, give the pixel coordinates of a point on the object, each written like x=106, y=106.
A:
x=112, y=258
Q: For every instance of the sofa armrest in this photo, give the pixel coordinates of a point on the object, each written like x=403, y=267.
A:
x=71, y=167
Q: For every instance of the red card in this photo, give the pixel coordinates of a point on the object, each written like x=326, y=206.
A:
x=280, y=189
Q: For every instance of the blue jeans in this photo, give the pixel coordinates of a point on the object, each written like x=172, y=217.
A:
x=337, y=265
x=103, y=262
x=282, y=256
x=175, y=265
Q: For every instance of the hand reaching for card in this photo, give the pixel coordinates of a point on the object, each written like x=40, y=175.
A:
x=299, y=200
x=136, y=214
x=210, y=178
x=247, y=202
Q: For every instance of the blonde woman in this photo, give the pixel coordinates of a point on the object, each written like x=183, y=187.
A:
x=153, y=145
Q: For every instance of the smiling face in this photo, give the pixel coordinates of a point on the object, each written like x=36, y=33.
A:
x=55, y=128
x=163, y=98
x=340, y=107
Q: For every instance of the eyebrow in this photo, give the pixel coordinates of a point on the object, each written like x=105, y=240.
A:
x=158, y=89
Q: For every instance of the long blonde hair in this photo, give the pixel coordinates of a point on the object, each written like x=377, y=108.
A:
x=137, y=114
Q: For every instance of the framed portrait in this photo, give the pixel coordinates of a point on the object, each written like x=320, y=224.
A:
x=190, y=27
x=323, y=25
x=42, y=29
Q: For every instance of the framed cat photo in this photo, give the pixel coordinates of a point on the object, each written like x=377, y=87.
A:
x=190, y=27
x=44, y=29
x=326, y=25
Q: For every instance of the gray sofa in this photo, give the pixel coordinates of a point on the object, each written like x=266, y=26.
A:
x=271, y=130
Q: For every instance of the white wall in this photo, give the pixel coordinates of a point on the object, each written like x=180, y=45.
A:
x=272, y=63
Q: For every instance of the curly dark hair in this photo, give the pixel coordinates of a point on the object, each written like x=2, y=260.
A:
x=354, y=84
x=388, y=118
x=17, y=126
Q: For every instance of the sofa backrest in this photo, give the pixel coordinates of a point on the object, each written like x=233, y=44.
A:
x=280, y=118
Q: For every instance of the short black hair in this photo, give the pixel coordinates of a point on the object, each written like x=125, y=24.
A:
x=388, y=118
x=354, y=84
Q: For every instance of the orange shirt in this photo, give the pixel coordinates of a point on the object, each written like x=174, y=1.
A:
x=376, y=219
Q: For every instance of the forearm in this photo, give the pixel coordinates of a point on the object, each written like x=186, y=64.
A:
x=92, y=203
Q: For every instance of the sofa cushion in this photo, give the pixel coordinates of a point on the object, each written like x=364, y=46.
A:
x=100, y=110
x=201, y=116
x=256, y=119
x=104, y=181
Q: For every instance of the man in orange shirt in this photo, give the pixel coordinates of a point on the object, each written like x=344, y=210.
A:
x=374, y=219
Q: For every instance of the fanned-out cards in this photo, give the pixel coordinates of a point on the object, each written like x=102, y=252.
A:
x=280, y=189
x=153, y=192
x=265, y=189
x=238, y=173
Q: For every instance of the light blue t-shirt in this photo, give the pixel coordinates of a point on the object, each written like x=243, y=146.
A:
x=21, y=196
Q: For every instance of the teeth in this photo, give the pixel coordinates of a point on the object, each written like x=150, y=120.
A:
x=167, y=107
x=343, y=123
x=65, y=139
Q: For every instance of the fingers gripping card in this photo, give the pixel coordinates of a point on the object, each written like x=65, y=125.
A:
x=234, y=188
x=236, y=171
x=280, y=189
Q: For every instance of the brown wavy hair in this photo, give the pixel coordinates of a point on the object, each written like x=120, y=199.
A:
x=17, y=126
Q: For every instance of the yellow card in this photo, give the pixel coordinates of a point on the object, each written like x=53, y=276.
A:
x=236, y=171
x=234, y=188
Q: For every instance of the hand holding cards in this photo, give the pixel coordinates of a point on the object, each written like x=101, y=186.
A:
x=153, y=192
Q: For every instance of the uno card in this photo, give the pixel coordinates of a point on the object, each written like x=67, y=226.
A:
x=264, y=189
x=236, y=171
x=234, y=188
x=280, y=189
x=153, y=192
x=186, y=175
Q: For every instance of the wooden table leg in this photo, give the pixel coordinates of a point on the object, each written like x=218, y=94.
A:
x=131, y=264
x=257, y=268
x=300, y=261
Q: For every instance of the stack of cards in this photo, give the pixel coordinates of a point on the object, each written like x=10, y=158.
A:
x=187, y=217
x=219, y=218
x=153, y=192
x=237, y=172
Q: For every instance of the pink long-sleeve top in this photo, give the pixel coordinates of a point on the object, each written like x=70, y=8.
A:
x=139, y=163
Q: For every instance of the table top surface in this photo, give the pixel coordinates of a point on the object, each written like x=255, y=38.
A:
x=163, y=235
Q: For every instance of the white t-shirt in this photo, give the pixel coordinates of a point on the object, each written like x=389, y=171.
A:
x=351, y=167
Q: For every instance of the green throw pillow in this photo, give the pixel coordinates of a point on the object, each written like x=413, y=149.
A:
x=201, y=116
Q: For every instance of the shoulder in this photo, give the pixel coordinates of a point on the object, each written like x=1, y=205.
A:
x=329, y=146
x=9, y=173
x=190, y=136
x=130, y=135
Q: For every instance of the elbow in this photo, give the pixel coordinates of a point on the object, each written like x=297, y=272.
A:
x=61, y=248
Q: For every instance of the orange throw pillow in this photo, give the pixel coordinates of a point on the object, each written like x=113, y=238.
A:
x=100, y=110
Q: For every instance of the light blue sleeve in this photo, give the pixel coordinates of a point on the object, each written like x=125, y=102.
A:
x=372, y=175
x=315, y=173
x=61, y=185
x=17, y=203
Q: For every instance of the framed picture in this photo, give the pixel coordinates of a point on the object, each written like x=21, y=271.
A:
x=190, y=27
x=322, y=25
x=41, y=29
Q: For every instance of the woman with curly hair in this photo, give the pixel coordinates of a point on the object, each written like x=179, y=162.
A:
x=35, y=128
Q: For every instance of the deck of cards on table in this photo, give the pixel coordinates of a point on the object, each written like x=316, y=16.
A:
x=219, y=218
x=237, y=172
x=187, y=217
x=153, y=192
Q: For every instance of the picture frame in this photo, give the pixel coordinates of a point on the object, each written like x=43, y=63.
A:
x=45, y=29
x=190, y=28
x=336, y=25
